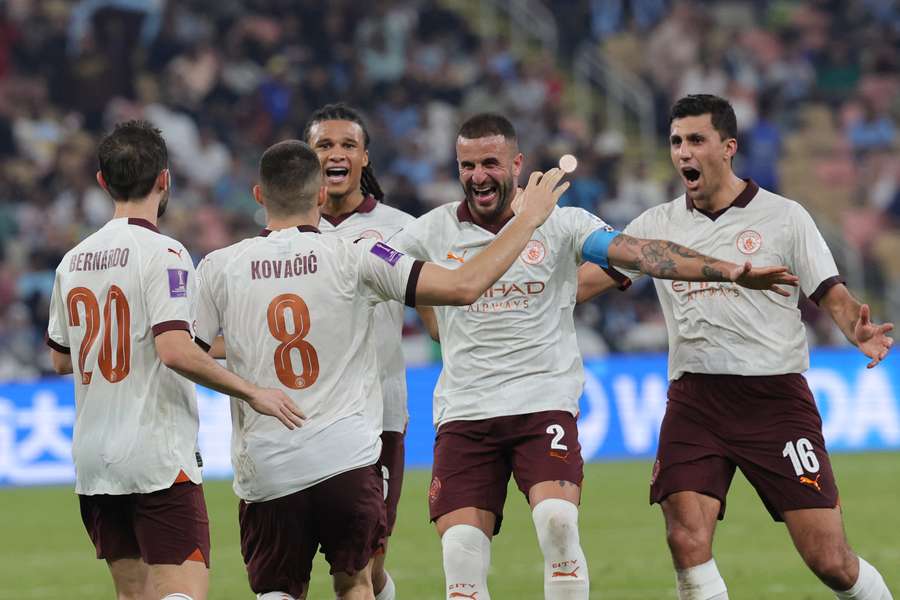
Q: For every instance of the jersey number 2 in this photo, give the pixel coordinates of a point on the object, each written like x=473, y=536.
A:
x=292, y=340
x=114, y=365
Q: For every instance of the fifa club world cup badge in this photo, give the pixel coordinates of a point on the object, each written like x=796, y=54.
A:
x=749, y=242
x=534, y=252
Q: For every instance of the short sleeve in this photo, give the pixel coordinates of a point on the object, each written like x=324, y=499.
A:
x=209, y=313
x=387, y=273
x=812, y=261
x=411, y=240
x=57, y=327
x=580, y=224
x=170, y=284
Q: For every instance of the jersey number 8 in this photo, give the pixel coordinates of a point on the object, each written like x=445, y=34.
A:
x=113, y=365
x=309, y=360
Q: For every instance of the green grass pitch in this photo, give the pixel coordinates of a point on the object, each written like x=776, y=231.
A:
x=44, y=552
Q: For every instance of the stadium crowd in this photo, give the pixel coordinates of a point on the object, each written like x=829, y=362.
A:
x=814, y=83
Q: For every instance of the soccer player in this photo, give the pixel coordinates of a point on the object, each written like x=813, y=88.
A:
x=296, y=309
x=507, y=397
x=737, y=398
x=123, y=300
x=353, y=210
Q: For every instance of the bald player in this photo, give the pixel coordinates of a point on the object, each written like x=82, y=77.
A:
x=297, y=310
x=120, y=315
x=737, y=397
x=507, y=398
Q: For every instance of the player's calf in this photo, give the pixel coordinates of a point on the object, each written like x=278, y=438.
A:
x=565, y=567
x=467, y=557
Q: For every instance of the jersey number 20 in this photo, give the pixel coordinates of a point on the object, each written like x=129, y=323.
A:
x=292, y=340
x=114, y=365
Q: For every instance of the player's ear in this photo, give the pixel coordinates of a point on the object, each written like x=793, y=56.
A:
x=517, y=164
x=322, y=197
x=730, y=149
x=257, y=195
x=164, y=180
x=102, y=182
x=365, y=161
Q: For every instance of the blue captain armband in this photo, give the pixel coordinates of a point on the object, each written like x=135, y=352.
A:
x=596, y=246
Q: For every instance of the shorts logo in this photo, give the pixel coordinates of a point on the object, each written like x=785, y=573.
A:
x=655, y=473
x=749, y=242
x=177, y=283
x=434, y=492
x=534, y=252
x=386, y=253
x=563, y=456
x=813, y=483
x=370, y=234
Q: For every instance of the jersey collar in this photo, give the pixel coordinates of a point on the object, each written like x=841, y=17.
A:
x=300, y=228
x=465, y=216
x=368, y=205
x=143, y=223
x=741, y=201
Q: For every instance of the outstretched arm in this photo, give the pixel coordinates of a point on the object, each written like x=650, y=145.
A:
x=667, y=260
x=853, y=320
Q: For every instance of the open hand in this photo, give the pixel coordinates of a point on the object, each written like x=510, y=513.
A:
x=275, y=403
x=763, y=278
x=540, y=196
x=872, y=339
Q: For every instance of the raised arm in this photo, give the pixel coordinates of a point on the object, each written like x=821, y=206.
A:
x=462, y=286
x=853, y=320
x=667, y=260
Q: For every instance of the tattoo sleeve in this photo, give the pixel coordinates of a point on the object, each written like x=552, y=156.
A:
x=664, y=260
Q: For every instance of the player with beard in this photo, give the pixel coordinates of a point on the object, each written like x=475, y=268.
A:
x=507, y=397
x=137, y=467
x=737, y=397
x=354, y=210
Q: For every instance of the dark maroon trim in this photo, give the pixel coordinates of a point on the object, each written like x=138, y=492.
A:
x=57, y=346
x=465, y=216
x=412, y=282
x=622, y=279
x=202, y=344
x=300, y=228
x=743, y=199
x=170, y=326
x=143, y=223
x=824, y=287
x=366, y=206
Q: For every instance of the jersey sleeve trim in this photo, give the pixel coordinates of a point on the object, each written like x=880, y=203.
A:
x=412, y=282
x=203, y=345
x=622, y=279
x=170, y=326
x=57, y=346
x=824, y=287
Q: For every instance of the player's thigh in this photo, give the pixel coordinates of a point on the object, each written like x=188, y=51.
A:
x=172, y=526
x=131, y=578
x=190, y=577
x=279, y=539
x=469, y=476
x=350, y=518
x=546, y=456
x=391, y=464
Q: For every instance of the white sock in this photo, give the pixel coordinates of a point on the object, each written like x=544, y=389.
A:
x=388, y=591
x=177, y=597
x=565, y=568
x=702, y=582
x=275, y=596
x=467, y=555
x=869, y=585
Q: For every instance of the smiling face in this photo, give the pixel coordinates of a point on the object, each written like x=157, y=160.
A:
x=340, y=146
x=700, y=155
x=489, y=169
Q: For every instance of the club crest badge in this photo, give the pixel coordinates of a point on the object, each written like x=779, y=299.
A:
x=749, y=242
x=534, y=252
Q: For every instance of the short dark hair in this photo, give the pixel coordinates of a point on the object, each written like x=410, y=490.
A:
x=719, y=109
x=486, y=125
x=131, y=157
x=290, y=176
x=340, y=111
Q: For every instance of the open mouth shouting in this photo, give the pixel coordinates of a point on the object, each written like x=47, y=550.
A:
x=336, y=175
x=691, y=177
x=484, y=194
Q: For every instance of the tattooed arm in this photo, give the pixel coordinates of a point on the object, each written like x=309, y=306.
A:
x=667, y=260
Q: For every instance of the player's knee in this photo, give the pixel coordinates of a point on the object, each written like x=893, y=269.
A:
x=556, y=523
x=689, y=544
x=347, y=583
x=833, y=566
x=463, y=548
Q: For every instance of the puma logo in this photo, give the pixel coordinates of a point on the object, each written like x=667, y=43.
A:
x=175, y=252
x=572, y=573
x=459, y=259
x=811, y=482
x=472, y=596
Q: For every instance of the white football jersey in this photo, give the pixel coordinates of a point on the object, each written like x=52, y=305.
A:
x=136, y=420
x=296, y=309
x=514, y=351
x=722, y=327
x=373, y=220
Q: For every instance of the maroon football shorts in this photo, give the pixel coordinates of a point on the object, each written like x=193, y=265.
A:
x=391, y=465
x=166, y=527
x=279, y=538
x=474, y=459
x=768, y=427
